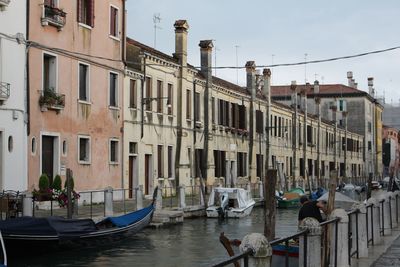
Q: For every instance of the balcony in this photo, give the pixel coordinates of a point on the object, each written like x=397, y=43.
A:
x=51, y=100
x=4, y=92
x=4, y=4
x=53, y=16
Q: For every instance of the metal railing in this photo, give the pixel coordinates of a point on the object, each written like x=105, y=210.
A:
x=286, y=241
x=53, y=15
x=245, y=256
x=353, y=236
x=371, y=215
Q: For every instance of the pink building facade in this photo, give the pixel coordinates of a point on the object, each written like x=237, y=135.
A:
x=391, y=150
x=75, y=74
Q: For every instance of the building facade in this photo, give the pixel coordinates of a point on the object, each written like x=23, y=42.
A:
x=13, y=120
x=391, y=151
x=182, y=125
x=352, y=110
x=75, y=63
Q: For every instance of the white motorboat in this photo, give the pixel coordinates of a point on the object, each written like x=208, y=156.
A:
x=229, y=202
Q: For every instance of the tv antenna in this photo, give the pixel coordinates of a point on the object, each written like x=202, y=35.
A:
x=156, y=20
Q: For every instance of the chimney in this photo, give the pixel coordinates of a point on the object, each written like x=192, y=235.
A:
x=251, y=77
x=316, y=87
x=355, y=85
x=267, y=84
x=350, y=78
x=206, y=47
x=181, y=28
x=371, y=89
x=293, y=87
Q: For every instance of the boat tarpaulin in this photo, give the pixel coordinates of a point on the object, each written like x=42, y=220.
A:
x=46, y=226
x=130, y=218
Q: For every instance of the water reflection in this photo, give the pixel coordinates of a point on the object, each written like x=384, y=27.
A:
x=194, y=243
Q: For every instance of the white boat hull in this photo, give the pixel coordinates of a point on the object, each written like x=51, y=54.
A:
x=212, y=212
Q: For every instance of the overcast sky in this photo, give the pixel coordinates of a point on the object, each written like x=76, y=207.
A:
x=283, y=32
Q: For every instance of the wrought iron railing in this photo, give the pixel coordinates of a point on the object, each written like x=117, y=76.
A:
x=53, y=15
x=4, y=2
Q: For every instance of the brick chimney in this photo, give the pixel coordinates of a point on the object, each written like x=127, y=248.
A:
x=267, y=84
x=371, y=89
x=181, y=31
x=251, y=77
x=293, y=87
x=206, y=47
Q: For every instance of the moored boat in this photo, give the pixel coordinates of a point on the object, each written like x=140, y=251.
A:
x=291, y=199
x=229, y=202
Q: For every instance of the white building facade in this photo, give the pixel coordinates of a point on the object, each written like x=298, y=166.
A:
x=13, y=123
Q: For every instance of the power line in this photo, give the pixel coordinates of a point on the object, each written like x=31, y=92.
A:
x=315, y=61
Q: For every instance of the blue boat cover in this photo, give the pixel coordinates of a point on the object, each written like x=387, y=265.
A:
x=46, y=226
x=130, y=218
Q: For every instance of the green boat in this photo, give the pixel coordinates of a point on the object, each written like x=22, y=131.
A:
x=291, y=199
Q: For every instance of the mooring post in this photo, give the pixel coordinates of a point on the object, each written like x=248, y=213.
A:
x=69, y=193
x=374, y=221
x=361, y=224
x=108, y=202
x=262, y=250
x=27, y=204
x=139, y=197
x=384, y=215
x=339, y=240
x=261, y=190
x=311, y=243
x=159, y=197
x=182, y=202
x=270, y=204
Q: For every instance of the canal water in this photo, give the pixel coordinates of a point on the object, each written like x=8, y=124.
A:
x=193, y=243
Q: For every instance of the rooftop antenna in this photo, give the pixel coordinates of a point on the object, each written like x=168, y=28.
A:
x=156, y=20
x=237, y=67
x=305, y=68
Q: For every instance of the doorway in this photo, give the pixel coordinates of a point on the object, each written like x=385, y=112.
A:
x=133, y=178
x=147, y=173
x=48, y=156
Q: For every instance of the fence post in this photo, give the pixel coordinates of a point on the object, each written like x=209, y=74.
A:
x=313, y=243
x=342, y=239
x=261, y=190
x=108, y=202
x=159, y=197
x=262, y=250
x=182, y=202
x=375, y=218
x=139, y=197
x=362, y=230
x=386, y=214
x=27, y=207
x=393, y=208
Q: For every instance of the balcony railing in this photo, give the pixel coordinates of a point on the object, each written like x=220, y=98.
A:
x=4, y=91
x=53, y=15
x=49, y=99
x=4, y=3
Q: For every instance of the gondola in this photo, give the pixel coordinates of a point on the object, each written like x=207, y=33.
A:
x=30, y=234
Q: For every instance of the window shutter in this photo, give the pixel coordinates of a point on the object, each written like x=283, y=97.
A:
x=79, y=10
x=91, y=13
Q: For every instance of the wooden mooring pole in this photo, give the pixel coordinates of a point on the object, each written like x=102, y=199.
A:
x=69, y=193
x=333, y=181
x=270, y=204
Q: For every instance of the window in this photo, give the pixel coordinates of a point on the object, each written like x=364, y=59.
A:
x=160, y=161
x=113, y=89
x=170, y=162
x=198, y=155
x=242, y=117
x=64, y=148
x=148, y=93
x=188, y=105
x=159, y=96
x=132, y=148
x=197, y=107
x=84, y=149
x=369, y=127
x=49, y=72
x=369, y=146
x=170, y=98
x=242, y=164
x=113, y=151
x=114, y=21
x=83, y=82
x=219, y=162
x=259, y=122
x=309, y=135
x=33, y=146
x=212, y=110
x=10, y=144
x=132, y=94
x=86, y=12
